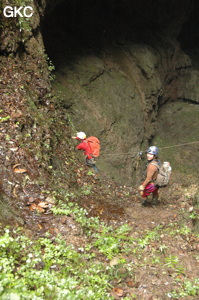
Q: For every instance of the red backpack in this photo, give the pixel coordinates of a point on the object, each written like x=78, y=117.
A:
x=94, y=145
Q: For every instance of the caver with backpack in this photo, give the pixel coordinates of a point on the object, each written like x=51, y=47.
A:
x=157, y=175
x=90, y=147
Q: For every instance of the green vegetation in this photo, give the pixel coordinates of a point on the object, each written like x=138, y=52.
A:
x=47, y=268
x=24, y=23
x=188, y=288
x=51, y=67
x=4, y=119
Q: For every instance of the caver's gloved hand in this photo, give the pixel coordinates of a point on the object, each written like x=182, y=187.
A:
x=141, y=188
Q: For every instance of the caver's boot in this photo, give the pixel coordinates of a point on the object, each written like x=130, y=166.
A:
x=144, y=202
x=155, y=200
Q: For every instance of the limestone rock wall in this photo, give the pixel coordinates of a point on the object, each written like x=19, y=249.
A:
x=117, y=97
x=21, y=40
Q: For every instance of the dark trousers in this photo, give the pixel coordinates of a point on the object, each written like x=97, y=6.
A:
x=90, y=163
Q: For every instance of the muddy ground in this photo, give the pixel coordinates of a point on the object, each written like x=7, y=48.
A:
x=117, y=205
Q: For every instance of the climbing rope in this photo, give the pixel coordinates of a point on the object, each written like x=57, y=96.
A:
x=179, y=145
x=139, y=152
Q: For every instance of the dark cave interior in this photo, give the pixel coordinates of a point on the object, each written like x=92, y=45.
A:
x=81, y=27
x=189, y=35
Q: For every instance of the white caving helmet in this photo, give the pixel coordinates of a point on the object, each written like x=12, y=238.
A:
x=81, y=135
x=153, y=150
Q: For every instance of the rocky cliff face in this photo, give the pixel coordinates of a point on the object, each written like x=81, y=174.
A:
x=22, y=44
x=116, y=63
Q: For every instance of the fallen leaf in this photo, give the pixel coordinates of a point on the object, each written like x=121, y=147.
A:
x=137, y=284
x=34, y=206
x=40, y=227
x=39, y=209
x=14, y=149
x=16, y=166
x=50, y=200
x=130, y=283
x=114, y=262
x=20, y=171
x=101, y=211
x=43, y=204
x=14, y=191
x=117, y=292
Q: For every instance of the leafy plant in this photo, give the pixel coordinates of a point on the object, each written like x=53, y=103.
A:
x=46, y=269
x=86, y=190
x=51, y=67
x=24, y=23
x=171, y=261
x=163, y=248
x=4, y=119
x=188, y=288
x=150, y=235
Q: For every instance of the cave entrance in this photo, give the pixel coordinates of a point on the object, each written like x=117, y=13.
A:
x=189, y=36
x=80, y=27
